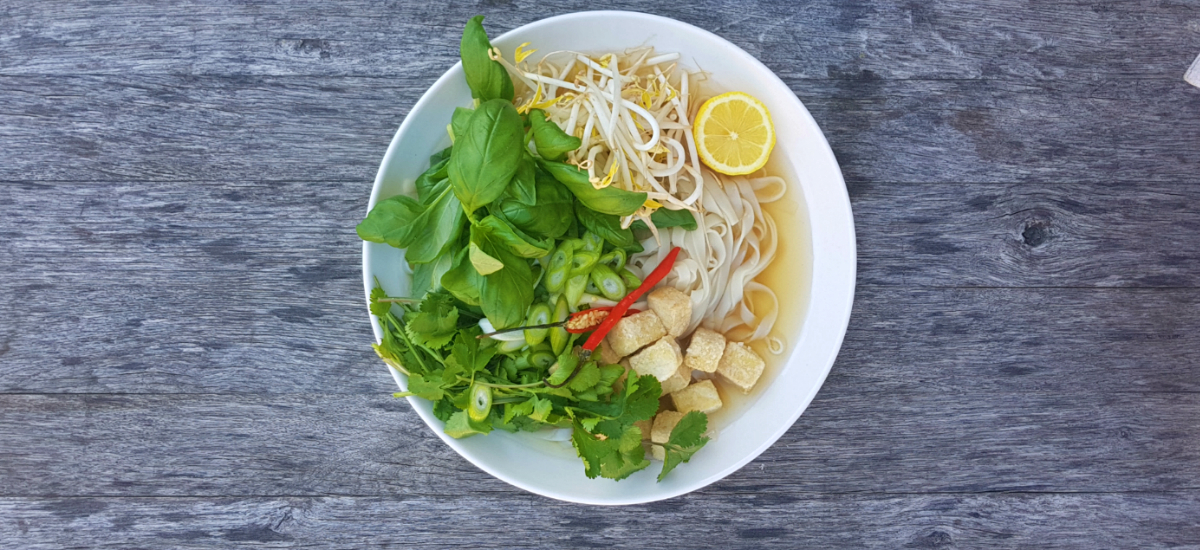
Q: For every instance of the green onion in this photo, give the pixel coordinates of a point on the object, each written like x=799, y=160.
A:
x=608, y=282
x=631, y=280
x=559, y=269
x=481, y=402
x=539, y=314
x=559, y=335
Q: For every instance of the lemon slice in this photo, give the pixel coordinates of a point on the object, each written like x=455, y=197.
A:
x=734, y=134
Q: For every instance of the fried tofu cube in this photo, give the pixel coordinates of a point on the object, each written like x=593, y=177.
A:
x=658, y=453
x=646, y=426
x=607, y=355
x=740, y=366
x=701, y=396
x=660, y=360
x=673, y=307
x=677, y=381
x=632, y=333
x=705, y=351
x=663, y=424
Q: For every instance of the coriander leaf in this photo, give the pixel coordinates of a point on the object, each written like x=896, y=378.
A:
x=379, y=309
x=614, y=455
x=420, y=387
x=487, y=78
x=460, y=426
x=523, y=408
x=549, y=218
x=436, y=324
x=443, y=409
x=609, y=200
x=586, y=378
x=524, y=182
x=541, y=409
x=486, y=157
x=462, y=280
x=686, y=438
x=519, y=243
x=641, y=401
x=551, y=142
x=394, y=220
x=607, y=226
x=505, y=295
x=467, y=353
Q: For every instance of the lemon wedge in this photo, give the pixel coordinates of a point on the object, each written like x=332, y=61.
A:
x=734, y=134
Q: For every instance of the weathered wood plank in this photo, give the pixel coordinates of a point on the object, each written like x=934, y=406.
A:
x=183, y=128
x=850, y=440
x=235, y=287
x=1155, y=520
x=1027, y=235
x=820, y=39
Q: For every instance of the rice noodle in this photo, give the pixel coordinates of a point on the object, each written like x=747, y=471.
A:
x=632, y=112
x=734, y=241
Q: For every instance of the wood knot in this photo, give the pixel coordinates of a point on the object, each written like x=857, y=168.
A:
x=1036, y=233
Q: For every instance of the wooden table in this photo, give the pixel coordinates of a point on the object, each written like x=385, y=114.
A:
x=184, y=356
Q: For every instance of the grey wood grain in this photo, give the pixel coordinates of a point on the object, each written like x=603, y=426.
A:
x=183, y=357
x=235, y=287
x=253, y=337
x=848, y=441
x=189, y=128
x=747, y=520
x=819, y=39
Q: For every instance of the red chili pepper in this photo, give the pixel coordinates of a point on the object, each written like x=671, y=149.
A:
x=618, y=311
x=588, y=319
x=577, y=323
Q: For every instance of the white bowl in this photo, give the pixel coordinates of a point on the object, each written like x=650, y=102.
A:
x=552, y=469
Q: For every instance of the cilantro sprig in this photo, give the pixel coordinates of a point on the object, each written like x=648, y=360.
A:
x=434, y=343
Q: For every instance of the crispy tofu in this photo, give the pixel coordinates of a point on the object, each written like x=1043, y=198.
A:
x=705, y=351
x=646, y=426
x=701, y=396
x=663, y=424
x=632, y=333
x=658, y=453
x=677, y=381
x=740, y=366
x=607, y=355
x=660, y=360
x=673, y=307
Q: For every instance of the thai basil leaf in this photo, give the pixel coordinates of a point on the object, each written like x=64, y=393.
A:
x=607, y=226
x=549, y=218
x=462, y=281
x=609, y=200
x=440, y=156
x=524, y=182
x=486, y=157
x=428, y=183
x=664, y=218
x=517, y=241
x=439, y=226
x=394, y=220
x=458, y=121
x=551, y=142
x=505, y=295
x=488, y=79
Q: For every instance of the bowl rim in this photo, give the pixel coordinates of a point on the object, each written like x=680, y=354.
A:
x=840, y=309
